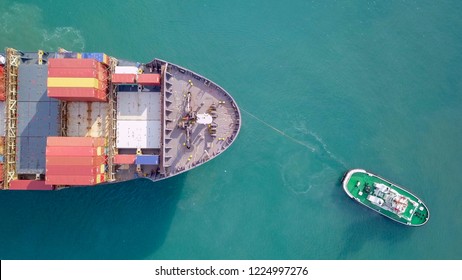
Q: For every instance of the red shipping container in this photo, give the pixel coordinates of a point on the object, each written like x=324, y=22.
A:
x=30, y=185
x=65, y=141
x=72, y=170
x=118, y=78
x=74, y=92
x=1, y=172
x=148, y=79
x=101, y=66
x=72, y=180
x=69, y=161
x=102, y=75
x=72, y=63
x=77, y=94
x=74, y=151
x=103, y=70
x=72, y=72
x=102, y=85
x=124, y=159
x=103, y=96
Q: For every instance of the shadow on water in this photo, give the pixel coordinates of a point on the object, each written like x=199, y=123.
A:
x=119, y=221
x=367, y=227
x=373, y=229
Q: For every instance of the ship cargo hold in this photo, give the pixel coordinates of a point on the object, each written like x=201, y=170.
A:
x=71, y=119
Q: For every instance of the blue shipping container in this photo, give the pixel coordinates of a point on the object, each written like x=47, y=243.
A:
x=147, y=159
x=1, y=158
x=97, y=56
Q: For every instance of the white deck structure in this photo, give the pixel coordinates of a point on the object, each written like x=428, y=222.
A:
x=138, y=120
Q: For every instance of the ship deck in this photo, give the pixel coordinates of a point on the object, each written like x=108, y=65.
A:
x=206, y=97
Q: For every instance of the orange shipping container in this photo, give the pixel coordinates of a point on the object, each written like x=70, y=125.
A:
x=57, y=141
x=148, y=79
x=77, y=73
x=124, y=159
x=69, y=161
x=70, y=180
x=121, y=79
x=1, y=171
x=74, y=151
x=72, y=63
x=77, y=94
x=72, y=170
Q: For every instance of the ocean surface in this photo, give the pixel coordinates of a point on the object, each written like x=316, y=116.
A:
x=324, y=86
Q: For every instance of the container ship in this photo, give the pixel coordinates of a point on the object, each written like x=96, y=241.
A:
x=72, y=119
x=386, y=198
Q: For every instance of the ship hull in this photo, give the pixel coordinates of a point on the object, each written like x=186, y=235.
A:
x=385, y=197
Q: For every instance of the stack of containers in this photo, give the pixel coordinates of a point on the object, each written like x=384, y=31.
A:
x=124, y=75
x=73, y=79
x=2, y=84
x=75, y=161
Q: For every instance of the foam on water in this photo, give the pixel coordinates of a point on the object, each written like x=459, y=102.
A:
x=301, y=127
x=64, y=36
x=22, y=27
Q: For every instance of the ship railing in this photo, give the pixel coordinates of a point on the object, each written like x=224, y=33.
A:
x=163, y=101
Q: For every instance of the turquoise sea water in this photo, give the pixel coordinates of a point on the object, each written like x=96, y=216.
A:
x=369, y=84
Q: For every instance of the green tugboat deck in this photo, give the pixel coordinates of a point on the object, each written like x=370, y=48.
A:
x=385, y=197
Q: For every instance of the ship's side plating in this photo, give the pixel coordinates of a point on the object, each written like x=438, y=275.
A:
x=164, y=121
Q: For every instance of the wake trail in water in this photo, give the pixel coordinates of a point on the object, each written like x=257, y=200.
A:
x=324, y=147
x=312, y=134
x=280, y=131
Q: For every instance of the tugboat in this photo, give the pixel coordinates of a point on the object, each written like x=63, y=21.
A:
x=386, y=198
